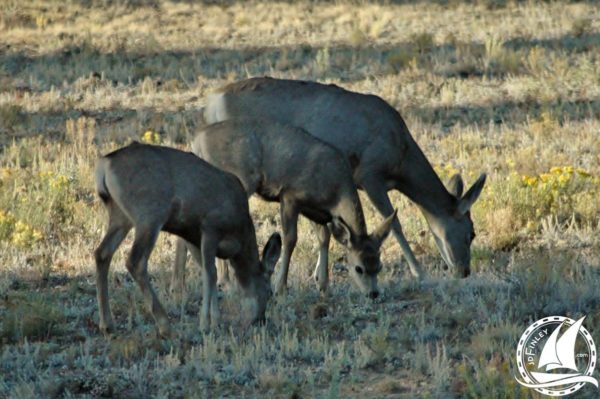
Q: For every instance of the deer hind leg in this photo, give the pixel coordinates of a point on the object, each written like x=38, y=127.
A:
x=378, y=195
x=205, y=256
x=137, y=264
x=321, y=274
x=177, y=287
x=289, y=224
x=113, y=238
x=118, y=227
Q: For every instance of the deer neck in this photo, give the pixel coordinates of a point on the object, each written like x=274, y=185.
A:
x=350, y=210
x=246, y=260
x=419, y=182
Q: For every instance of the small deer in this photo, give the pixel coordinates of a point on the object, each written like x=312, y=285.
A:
x=155, y=189
x=306, y=176
x=373, y=136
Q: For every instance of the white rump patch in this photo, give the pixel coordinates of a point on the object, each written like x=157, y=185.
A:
x=216, y=110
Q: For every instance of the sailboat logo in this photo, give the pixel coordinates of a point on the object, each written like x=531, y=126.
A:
x=556, y=356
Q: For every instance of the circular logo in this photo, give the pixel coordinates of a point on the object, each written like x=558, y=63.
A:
x=556, y=356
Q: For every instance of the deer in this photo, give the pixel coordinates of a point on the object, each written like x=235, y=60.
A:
x=308, y=177
x=384, y=156
x=152, y=189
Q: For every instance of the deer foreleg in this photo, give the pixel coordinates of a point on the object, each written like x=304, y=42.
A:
x=205, y=256
x=289, y=224
x=321, y=274
x=378, y=195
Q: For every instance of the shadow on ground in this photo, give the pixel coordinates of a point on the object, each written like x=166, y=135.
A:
x=341, y=62
x=179, y=126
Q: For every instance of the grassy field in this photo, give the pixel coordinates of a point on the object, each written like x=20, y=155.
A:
x=509, y=88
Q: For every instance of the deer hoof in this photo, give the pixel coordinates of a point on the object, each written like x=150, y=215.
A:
x=321, y=283
x=281, y=290
x=164, y=329
x=165, y=333
x=107, y=329
x=418, y=274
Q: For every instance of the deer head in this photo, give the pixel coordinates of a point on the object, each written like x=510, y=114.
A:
x=363, y=253
x=454, y=232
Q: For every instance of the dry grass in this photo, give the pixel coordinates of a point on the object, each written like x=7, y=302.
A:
x=509, y=88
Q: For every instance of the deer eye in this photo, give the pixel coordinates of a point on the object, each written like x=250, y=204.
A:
x=358, y=269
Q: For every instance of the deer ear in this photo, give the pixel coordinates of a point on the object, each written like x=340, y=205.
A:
x=381, y=232
x=341, y=232
x=271, y=252
x=471, y=196
x=455, y=185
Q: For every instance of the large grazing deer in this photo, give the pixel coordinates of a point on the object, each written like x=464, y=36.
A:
x=383, y=154
x=307, y=177
x=156, y=188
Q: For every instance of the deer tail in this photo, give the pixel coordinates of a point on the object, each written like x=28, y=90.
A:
x=101, y=188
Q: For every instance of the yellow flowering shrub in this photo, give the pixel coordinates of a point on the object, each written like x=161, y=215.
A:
x=560, y=178
x=515, y=205
x=445, y=172
x=18, y=232
x=58, y=192
x=559, y=192
x=7, y=223
x=53, y=180
x=25, y=235
x=151, y=137
x=5, y=173
x=31, y=199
